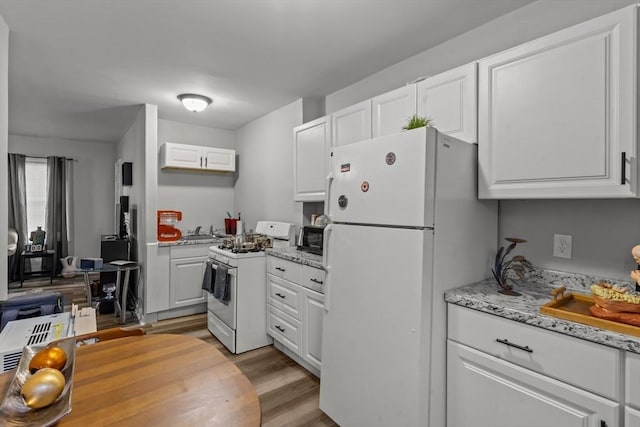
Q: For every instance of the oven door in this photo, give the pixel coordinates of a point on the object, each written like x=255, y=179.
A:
x=224, y=312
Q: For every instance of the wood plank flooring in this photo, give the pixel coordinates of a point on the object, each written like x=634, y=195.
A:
x=288, y=393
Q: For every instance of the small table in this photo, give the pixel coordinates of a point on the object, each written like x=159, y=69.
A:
x=152, y=380
x=106, y=268
x=47, y=260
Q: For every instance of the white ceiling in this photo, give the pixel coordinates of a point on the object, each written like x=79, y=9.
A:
x=77, y=68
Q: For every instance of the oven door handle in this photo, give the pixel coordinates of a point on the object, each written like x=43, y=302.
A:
x=231, y=271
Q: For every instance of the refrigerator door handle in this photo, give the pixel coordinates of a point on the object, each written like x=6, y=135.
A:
x=326, y=266
x=327, y=193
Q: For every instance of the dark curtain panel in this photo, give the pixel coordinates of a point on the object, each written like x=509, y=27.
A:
x=17, y=210
x=58, y=201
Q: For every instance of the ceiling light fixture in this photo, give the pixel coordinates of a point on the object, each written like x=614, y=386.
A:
x=193, y=102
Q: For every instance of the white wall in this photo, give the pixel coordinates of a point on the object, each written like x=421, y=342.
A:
x=264, y=186
x=203, y=197
x=137, y=146
x=93, y=175
x=604, y=231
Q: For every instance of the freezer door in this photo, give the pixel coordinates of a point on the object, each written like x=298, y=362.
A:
x=387, y=180
x=375, y=338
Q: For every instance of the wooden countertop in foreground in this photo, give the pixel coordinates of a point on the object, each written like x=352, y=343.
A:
x=159, y=380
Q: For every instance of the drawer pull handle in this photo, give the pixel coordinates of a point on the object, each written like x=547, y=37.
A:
x=279, y=328
x=280, y=295
x=280, y=269
x=320, y=282
x=519, y=347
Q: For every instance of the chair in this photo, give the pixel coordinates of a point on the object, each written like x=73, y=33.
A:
x=108, y=334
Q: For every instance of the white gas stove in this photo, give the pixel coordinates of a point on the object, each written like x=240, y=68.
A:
x=281, y=234
x=238, y=318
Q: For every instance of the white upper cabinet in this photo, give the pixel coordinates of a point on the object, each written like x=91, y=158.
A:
x=557, y=116
x=450, y=99
x=311, y=145
x=392, y=110
x=351, y=124
x=183, y=156
x=219, y=159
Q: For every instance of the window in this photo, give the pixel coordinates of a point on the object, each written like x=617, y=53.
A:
x=36, y=188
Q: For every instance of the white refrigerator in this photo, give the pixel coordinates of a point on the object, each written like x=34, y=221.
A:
x=406, y=225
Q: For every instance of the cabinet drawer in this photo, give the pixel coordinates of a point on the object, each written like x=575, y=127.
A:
x=633, y=373
x=584, y=364
x=282, y=268
x=284, y=329
x=284, y=295
x=312, y=278
x=188, y=251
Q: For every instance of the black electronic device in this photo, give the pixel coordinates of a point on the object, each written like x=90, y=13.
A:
x=124, y=203
x=111, y=249
x=127, y=173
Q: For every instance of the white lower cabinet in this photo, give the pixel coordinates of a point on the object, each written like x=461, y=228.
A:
x=502, y=373
x=186, y=272
x=185, y=286
x=483, y=390
x=313, y=307
x=632, y=390
x=294, y=312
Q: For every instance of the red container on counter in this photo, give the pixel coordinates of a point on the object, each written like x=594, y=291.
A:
x=230, y=225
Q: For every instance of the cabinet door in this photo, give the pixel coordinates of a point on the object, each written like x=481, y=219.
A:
x=186, y=281
x=312, y=343
x=351, y=124
x=181, y=156
x=486, y=391
x=631, y=417
x=392, y=110
x=311, y=144
x=219, y=159
x=450, y=99
x=557, y=115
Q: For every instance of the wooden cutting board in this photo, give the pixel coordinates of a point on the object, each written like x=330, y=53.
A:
x=577, y=308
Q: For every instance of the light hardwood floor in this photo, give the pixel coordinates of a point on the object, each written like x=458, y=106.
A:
x=288, y=393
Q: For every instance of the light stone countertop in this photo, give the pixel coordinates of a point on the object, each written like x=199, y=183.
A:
x=291, y=253
x=484, y=296
x=213, y=241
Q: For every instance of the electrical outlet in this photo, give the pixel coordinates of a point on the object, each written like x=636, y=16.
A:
x=562, y=246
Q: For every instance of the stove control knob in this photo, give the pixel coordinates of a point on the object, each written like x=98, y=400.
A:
x=342, y=201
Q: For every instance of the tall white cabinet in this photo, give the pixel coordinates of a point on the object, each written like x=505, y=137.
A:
x=450, y=99
x=557, y=116
x=311, y=161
